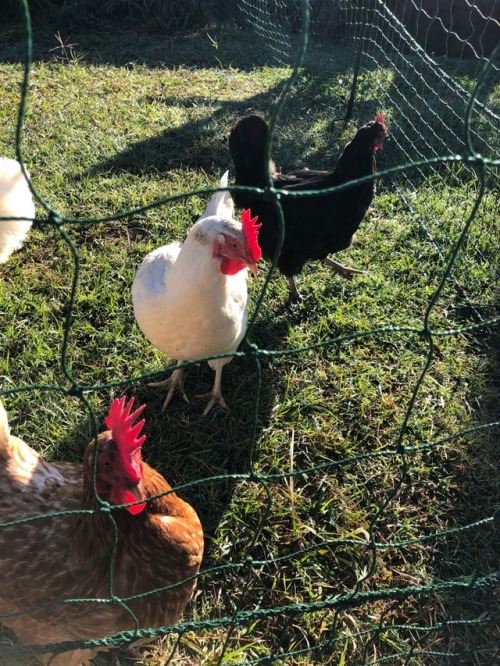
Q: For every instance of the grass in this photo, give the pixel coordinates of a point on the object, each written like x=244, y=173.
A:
x=108, y=131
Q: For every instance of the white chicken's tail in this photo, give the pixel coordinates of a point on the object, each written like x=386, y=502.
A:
x=221, y=204
x=15, y=201
x=4, y=427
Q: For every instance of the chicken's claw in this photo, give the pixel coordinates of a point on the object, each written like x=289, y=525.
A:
x=342, y=270
x=216, y=398
x=215, y=395
x=174, y=383
x=129, y=653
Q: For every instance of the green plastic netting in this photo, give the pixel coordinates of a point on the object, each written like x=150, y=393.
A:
x=371, y=590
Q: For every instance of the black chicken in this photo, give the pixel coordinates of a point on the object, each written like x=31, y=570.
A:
x=315, y=225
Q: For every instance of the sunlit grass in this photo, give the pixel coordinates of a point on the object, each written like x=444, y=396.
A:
x=102, y=139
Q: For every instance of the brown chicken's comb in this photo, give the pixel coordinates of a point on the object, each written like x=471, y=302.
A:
x=379, y=118
x=251, y=233
x=121, y=423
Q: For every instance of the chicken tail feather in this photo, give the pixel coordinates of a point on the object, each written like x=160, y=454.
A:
x=4, y=426
x=221, y=203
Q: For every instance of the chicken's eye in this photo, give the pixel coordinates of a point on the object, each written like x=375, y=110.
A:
x=233, y=245
x=106, y=465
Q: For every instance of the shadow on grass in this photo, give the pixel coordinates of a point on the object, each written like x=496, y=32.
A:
x=121, y=43
x=472, y=613
x=199, y=143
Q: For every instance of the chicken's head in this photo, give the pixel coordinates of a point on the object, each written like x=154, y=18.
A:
x=238, y=248
x=368, y=139
x=381, y=132
x=119, y=461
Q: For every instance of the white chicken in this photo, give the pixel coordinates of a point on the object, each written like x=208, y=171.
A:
x=191, y=300
x=16, y=201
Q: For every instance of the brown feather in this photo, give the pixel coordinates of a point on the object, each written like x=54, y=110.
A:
x=65, y=557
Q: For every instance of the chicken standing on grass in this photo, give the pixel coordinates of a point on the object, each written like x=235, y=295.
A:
x=191, y=300
x=51, y=560
x=315, y=226
x=16, y=201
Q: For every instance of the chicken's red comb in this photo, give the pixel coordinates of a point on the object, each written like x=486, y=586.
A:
x=251, y=233
x=121, y=423
x=379, y=118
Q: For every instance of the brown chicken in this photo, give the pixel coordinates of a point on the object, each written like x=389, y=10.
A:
x=54, y=560
x=315, y=226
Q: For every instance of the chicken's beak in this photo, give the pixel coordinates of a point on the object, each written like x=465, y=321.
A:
x=253, y=268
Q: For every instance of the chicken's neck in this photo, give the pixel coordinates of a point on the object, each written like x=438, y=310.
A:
x=353, y=164
x=152, y=484
x=196, y=265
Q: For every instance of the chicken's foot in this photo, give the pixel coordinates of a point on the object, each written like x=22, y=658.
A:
x=129, y=653
x=345, y=271
x=216, y=398
x=215, y=395
x=295, y=295
x=174, y=383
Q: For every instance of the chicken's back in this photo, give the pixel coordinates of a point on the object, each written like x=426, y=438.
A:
x=15, y=201
x=149, y=289
x=34, y=553
x=29, y=484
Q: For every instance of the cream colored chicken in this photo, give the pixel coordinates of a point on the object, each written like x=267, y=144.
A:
x=191, y=300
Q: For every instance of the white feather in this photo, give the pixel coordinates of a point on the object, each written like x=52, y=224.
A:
x=221, y=204
x=182, y=302
x=15, y=201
